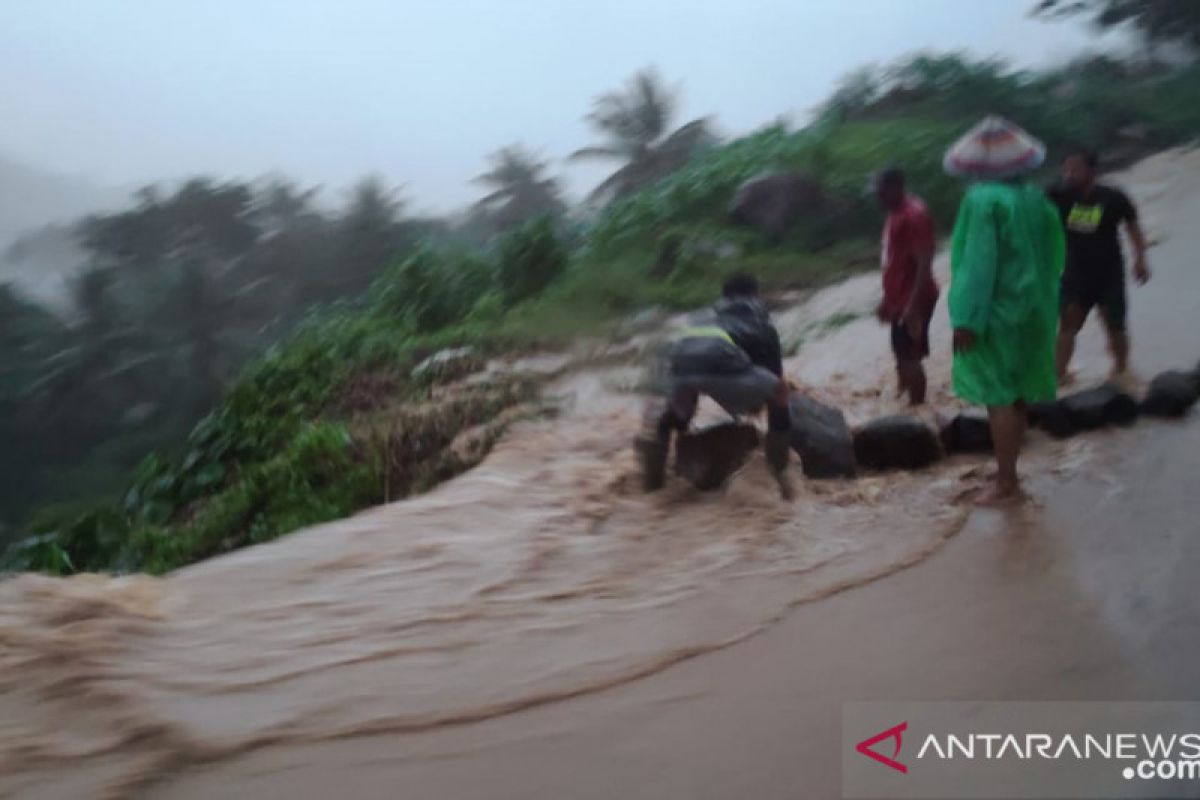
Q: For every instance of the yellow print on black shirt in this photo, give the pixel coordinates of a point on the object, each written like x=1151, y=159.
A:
x=1084, y=219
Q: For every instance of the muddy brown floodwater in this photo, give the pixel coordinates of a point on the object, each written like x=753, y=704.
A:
x=545, y=575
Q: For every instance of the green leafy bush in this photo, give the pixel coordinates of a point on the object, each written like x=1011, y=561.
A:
x=530, y=259
x=433, y=288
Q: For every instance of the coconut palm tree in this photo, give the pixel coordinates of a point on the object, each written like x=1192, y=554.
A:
x=1176, y=21
x=636, y=122
x=370, y=236
x=519, y=189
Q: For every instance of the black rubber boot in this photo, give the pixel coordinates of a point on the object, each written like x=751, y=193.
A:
x=652, y=453
x=778, y=446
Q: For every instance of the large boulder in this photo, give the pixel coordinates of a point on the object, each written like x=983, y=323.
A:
x=1095, y=408
x=821, y=438
x=771, y=203
x=1171, y=394
x=1052, y=418
x=966, y=433
x=706, y=458
x=896, y=442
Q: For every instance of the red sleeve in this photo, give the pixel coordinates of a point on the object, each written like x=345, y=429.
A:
x=900, y=241
x=922, y=236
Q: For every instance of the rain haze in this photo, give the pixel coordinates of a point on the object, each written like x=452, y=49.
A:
x=124, y=93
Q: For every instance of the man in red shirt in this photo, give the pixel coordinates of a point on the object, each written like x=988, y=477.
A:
x=909, y=290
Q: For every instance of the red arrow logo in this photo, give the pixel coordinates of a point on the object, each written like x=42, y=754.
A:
x=896, y=733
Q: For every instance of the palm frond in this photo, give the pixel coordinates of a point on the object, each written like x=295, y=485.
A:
x=598, y=151
x=493, y=197
x=613, y=184
x=687, y=138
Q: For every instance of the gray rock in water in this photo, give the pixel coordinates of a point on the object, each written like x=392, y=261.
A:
x=708, y=457
x=821, y=439
x=967, y=433
x=773, y=202
x=896, y=442
x=1052, y=418
x=1171, y=394
x=1095, y=408
x=447, y=364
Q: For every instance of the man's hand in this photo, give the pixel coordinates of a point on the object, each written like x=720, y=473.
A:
x=964, y=340
x=1141, y=272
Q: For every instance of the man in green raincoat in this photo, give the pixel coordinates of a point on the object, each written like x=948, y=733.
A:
x=1007, y=257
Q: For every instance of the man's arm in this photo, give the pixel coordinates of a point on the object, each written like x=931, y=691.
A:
x=779, y=418
x=923, y=247
x=1128, y=214
x=774, y=351
x=1140, y=271
x=912, y=321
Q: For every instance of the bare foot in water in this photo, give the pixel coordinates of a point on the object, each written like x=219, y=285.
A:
x=999, y=495
x=1125, y=380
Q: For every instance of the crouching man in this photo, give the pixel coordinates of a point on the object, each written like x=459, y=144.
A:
x=737, y=362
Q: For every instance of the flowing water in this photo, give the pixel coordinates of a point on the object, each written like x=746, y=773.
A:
x=542, y=574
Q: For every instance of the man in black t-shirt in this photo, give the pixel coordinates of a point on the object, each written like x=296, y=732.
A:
x=1092, y=214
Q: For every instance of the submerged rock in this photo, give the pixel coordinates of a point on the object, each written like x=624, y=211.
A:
x=896, y=442
x=967, y=433
x=1052, y=418
x=821, y=438
x=708, y=457
x=1095, y=408
x=1171, y=394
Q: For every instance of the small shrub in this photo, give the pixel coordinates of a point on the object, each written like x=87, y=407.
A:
x=433, y=289
x=531, y=258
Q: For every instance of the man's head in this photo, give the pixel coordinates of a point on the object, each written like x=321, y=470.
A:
x=740, y=284
x=1079, y=169
x=889, y=188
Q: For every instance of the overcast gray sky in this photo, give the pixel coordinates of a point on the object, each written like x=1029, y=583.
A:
x=128, y=91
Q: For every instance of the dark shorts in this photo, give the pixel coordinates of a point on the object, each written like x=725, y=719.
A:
x=1106, y=289
x=721, y=370
x=904, y=346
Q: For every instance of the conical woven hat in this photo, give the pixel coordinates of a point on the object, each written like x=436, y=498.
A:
x=995, y=148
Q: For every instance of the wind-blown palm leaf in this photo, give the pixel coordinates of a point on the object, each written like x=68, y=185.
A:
x=686, y=139
x=615, y=184
x=635, y=121
x=518, y=188
x=496, y=196
x=599, y=151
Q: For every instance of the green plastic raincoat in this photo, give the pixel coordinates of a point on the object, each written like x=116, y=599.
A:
x=1006, y=264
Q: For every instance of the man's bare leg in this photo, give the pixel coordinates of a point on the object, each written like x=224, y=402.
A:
x=652, y=445
x=1118, y=346
x=1008, y=428
x=1069, y=324
x=913, y=380
x=778, y=443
